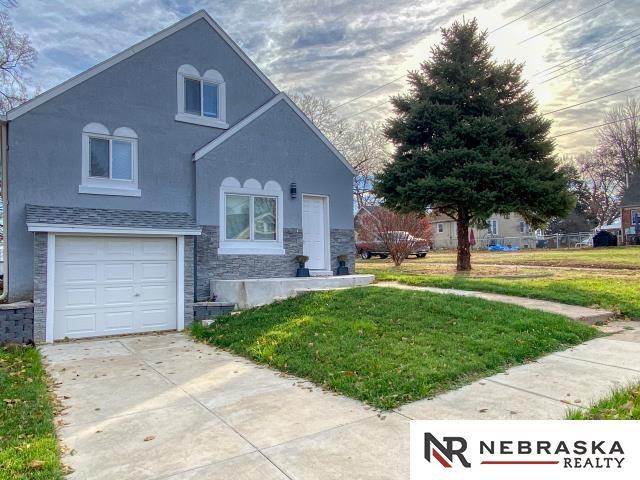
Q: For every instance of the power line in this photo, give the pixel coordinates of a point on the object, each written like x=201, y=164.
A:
x=365, y=110
x=520, y=17
x=367, y=93
x=565, y=22
x=585, y=63
x=596, y=126
x=404, y=75
x=545, y=113
x=592, y=50
x=591, y=100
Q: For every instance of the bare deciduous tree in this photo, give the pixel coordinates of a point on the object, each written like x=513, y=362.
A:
x=602, y=186
x=363, y=144
x=16, y=57
x=619, y=141
x=400, y=234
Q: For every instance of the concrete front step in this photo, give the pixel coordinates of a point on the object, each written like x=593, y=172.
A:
x=590, y=316
x=253, y=292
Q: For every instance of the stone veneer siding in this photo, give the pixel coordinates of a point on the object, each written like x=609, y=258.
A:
x=234, y=267
x=188, y=280
x=16, y=323
x=343, y=242
x=39, y=286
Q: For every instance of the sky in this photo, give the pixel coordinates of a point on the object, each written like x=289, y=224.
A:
x=340, y=49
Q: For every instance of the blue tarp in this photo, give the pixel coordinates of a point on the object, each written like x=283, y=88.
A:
x=502, y=248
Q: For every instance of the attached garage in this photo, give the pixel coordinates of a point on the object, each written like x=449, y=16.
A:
x=100, y=272
x=114, y=285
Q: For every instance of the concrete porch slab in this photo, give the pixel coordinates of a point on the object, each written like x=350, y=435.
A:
x=254, y=292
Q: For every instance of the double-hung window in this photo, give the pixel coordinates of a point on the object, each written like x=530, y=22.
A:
x=109, y=161
x=201, y=98
x=250, y=218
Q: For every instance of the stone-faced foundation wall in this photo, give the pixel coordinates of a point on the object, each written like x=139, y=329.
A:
x=16, y=323
x=235, y=267
x=343, y=242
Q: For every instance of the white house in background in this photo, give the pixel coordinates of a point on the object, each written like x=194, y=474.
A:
x=504, y=229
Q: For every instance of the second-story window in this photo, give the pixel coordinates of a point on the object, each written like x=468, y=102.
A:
x=201, y=98
x=109, y=161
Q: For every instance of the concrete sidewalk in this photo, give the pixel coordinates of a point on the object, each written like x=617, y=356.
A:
x=165, y=407
x=575, y=312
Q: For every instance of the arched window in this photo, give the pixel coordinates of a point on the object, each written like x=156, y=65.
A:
x=250, y=218
x=201, y=98
x=109, y=161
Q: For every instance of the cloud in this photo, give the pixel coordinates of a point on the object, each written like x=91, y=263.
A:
x=341, y=48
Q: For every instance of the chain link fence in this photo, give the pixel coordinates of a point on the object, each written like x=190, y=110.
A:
x=572, y=240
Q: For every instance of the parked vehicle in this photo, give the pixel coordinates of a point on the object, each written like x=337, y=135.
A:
x=368, y=249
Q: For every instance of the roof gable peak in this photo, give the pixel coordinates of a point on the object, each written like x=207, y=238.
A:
x=119, y=57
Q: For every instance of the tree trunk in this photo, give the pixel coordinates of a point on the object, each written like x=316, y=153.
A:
x=464, y=248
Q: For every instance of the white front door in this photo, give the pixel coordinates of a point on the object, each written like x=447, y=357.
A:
x=314, y=231
x=113, y=285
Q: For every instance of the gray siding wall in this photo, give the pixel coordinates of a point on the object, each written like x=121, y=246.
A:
x=140, y=92
x=277, y=146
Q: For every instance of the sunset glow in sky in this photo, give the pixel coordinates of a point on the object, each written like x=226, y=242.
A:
x=340, y=49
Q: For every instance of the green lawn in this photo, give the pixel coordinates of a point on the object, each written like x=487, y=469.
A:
x=388, y=347
x=613, y=257
x=28, y=443
x=623, y=404
x=620, y=294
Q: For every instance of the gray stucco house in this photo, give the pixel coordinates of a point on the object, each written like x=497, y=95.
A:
x=131, y=186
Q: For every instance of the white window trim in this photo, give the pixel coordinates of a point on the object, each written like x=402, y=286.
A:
x=108, y=186
x=440, y=227
x=491, y=229
x=231, y=185
x=210, y=76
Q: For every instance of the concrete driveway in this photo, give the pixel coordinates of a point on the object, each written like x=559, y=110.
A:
x=163, y=406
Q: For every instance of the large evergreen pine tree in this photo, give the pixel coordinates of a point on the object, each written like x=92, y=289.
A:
x=469, y=142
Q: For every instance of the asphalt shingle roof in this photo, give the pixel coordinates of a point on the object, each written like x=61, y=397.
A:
x=104, y=217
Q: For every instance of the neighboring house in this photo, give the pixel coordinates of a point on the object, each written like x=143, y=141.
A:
x=134, y=184
x=630, y=212
x=506, y=229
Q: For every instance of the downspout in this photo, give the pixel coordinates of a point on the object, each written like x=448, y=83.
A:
x=4, y=148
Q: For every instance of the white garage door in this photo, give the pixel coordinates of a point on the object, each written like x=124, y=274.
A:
x=113, y=285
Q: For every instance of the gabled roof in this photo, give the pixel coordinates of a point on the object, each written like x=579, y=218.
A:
x=281, y=97
x=101, y=67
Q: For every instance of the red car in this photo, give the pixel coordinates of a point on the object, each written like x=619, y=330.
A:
x=367, y=250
